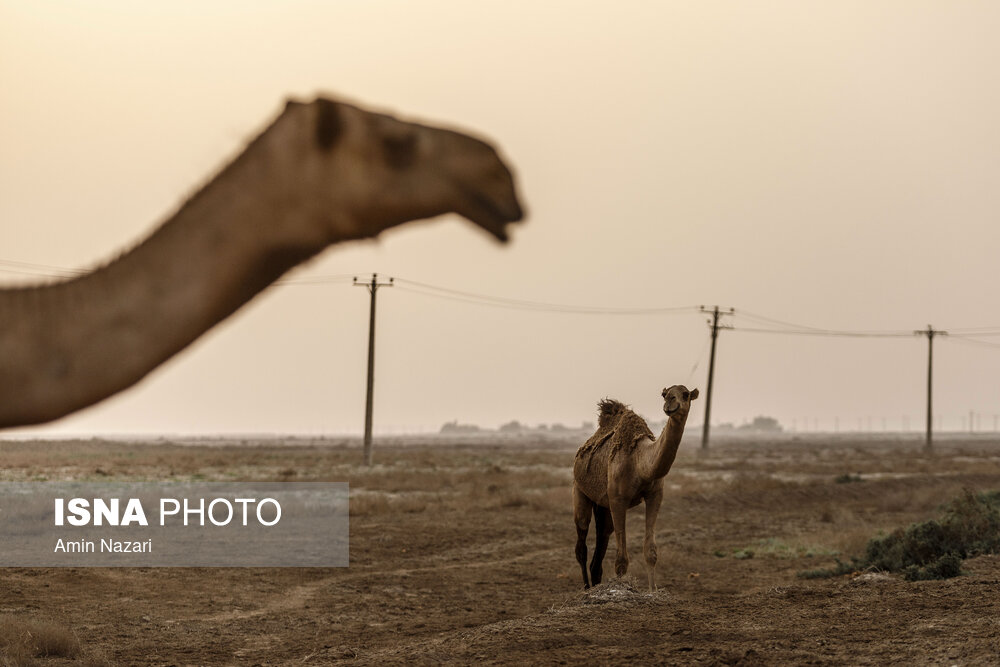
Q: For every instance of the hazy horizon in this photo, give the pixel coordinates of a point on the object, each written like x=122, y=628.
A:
x=829, y=165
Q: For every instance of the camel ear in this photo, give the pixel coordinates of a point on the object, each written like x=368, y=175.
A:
x=664, y=392
x=694, y=394
x=328, y=124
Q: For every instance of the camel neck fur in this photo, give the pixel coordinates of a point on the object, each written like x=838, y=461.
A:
x=656, y=456
x=224, y=245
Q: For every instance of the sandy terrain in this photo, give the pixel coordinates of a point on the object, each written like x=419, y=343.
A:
x=464, y=553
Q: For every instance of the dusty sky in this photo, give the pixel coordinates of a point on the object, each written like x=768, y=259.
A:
x=830, y=164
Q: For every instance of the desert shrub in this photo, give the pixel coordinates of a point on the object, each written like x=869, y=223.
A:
x=945, y=567
x=969, y=525
x=916, y=545
x=974, y=522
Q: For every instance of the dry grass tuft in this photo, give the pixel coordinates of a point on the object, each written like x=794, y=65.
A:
x=23, y=641
x=372, y=503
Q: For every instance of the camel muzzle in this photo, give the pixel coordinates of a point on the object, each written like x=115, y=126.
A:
x=492, y=213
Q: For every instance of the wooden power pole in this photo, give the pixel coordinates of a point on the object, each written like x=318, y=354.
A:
x=373, y=290
x=930, y=332
x=714, y=323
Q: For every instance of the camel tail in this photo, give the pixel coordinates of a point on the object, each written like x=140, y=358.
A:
x=608, y=410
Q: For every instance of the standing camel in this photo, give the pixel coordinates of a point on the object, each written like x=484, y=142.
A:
x=619, y=466
x=323, y=172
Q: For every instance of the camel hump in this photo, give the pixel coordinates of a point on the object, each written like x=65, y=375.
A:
x=619, y=428
x=629, y=430
x=609, y=410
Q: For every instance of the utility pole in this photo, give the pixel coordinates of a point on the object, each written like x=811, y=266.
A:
x=930, y=332
x=714, y=323
x=372, y=289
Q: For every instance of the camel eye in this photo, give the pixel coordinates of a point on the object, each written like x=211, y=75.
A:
x=329, y=125
x=400, y=152
x=686, y=396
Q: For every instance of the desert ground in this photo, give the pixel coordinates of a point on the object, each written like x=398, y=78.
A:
x=462, y=551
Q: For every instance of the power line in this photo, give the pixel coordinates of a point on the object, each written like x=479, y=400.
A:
x=316, y=280
x=807, y=330
x=826, y=332
x=701, y=357
x=35, y=274
x=977, y=331
x=972, y=341
x=770, y=320
x=764, y=324
x=39, y=269
x=958, y=334
x=48, y=271
x=522, y=304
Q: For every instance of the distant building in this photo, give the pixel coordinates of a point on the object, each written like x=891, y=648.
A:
x=454, y=427
x=761, y=424
x=512, y=427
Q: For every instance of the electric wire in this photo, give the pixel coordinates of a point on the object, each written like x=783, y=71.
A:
x=521, y=304
x=770, y=325
x=36, y=274
x=802, y=329
x=833, y=333
x=32, y=269
x=965, y=340
x=316, y=280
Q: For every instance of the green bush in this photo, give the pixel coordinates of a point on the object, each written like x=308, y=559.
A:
x=945, y=567
x=934, y=549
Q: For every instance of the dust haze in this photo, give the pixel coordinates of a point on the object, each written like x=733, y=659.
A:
x=829, y=165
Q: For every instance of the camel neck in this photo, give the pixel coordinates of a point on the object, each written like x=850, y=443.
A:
x=660, y=453
x=99, y=333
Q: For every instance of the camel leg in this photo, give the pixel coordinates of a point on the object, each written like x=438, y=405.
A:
x=604, y=528
x=649, y=543
x=618, y=510
x=583, y=507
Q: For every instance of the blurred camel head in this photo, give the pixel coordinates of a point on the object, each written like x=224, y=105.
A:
x=362, y=172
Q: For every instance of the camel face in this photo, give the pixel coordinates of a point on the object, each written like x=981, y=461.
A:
x=677, y=401
x=389, y=171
